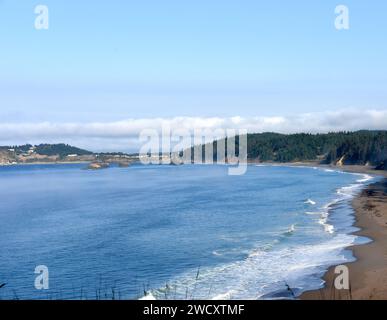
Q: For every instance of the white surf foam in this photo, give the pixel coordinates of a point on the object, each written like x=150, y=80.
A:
x=310, y=201
x=264, y=272
x=260, y=274
x=148, y=296
x=366, y=177
x=312, y=213
x=291, y=230
x=323, y=221
x=344, y=193
x=224, y=296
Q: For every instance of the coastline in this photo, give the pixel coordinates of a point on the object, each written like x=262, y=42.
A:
x=368, y=273
x=42, y=163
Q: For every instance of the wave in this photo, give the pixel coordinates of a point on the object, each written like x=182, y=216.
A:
x=311, y=213
x=323, y=221
x=255, y=253
x=269, y=270
x=366, y=178
x=310, y=201
x=291, y=230
x=261, y=274
x=351, y=190
x=148, y=296
x=224, y=296
x=345, y=193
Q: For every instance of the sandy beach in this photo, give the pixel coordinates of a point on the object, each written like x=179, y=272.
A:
x=368, y=274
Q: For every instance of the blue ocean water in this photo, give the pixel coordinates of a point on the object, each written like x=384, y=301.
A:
x=172, y=232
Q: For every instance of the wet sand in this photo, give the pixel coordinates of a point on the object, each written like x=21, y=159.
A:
x=368, y=274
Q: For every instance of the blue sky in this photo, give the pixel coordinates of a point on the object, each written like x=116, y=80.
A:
x=113, y=60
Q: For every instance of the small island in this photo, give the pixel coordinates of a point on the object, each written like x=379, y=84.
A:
x=98, y=165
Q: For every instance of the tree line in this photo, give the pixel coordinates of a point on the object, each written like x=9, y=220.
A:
x=349, y=148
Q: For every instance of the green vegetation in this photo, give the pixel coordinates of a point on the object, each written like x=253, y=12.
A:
x=348, y=148
x=18, y=149
x=62, y=150
x=352, y=148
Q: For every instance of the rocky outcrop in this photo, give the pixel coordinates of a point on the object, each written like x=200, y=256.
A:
x=382, y=166
x=97, y=165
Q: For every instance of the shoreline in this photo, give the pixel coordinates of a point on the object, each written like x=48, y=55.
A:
x=368, y=273
x=42, y=163
x=345, y=168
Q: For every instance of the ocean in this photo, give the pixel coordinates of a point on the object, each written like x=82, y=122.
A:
x=173, y=232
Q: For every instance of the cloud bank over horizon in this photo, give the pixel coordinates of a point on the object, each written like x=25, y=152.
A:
x=123, y=135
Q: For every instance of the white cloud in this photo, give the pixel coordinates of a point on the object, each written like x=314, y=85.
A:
x=122, y=135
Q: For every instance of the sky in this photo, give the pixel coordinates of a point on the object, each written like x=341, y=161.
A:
x=121, y=66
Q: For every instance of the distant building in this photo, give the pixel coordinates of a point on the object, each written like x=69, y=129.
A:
x=72, y=155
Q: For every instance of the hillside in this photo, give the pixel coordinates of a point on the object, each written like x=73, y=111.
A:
x=60, y=149
x=53, y=153
x=346, y=148
x=341, y=148
x=43, y=153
